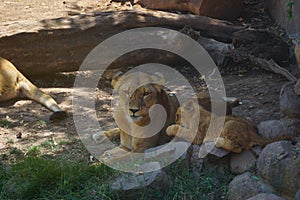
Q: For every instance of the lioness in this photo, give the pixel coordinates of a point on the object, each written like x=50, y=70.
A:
x=13, y=85
x=139, y=124
x=237, y=133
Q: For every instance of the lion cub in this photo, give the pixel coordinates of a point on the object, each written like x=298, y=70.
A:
x=13, y=85
x=237, y=133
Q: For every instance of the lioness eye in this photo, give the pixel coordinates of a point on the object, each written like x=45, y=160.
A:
x=146, y=93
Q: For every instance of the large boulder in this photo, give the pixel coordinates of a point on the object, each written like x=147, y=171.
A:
x=278, y=11
x=297, y=195
x=265, y=196
x=261, y=44
x=245, y=186
x=219, y=9
x=275, y=128
x=279, y=166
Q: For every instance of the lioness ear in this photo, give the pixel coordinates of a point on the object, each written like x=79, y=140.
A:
x=115, y=79
x=158, y=80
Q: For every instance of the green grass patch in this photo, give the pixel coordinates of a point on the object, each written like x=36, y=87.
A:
x=33, y=151
x=4, y=123
x=212, y=184
x=10, y=141
x=37, y=178
x=45, y=178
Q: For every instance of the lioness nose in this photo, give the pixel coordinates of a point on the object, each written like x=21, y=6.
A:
x=133, y=110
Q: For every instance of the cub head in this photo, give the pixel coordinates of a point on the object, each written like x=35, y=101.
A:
x=138, y=92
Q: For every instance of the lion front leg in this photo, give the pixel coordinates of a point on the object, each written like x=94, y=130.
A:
x=103, y=135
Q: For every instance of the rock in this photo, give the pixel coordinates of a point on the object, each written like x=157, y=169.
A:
x=265, y=196
x=210, y=156
x=240, y=163
x=274, y=128
x=278, y=165
x=289, y=101
x=171, y=149
x=261, y=44
x=219, y=51
x=278, y=11
x=210, y=148
x=297, y=85
x=219, y=9
x=297, y=55
x=45, y=46
x=214, y=157
x=297, y=196
x=245, y=186
x=256, y=150
x=196, y=163
x=133, y=182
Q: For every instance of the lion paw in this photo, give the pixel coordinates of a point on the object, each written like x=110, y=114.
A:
x=99, y=137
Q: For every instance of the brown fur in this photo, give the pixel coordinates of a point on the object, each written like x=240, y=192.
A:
x=14, y=85
x=237, y=133
x=140, y=101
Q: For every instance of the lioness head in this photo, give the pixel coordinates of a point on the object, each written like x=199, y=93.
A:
x=138, y=92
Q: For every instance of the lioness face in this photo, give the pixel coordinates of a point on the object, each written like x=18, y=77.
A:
x=137, y=102
x=141, y=101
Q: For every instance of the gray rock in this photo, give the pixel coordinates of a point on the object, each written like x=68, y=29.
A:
x=278, y=11
x=240, y=163
x=297, y=196
x=196, y=162
x=259, y=41
x=256, y=150
x=278, y=165
x=178, y=150
x=265, y=196
x=245, y=186
x=210, y=148
x=133, y=182
x=274, y=128
x=289, y=101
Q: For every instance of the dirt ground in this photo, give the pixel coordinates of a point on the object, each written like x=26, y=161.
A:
x=25, y=124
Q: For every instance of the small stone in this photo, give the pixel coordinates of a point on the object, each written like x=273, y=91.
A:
x=19, y=135
x=240, y=163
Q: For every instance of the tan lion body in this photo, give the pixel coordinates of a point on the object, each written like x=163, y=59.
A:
x=14, y=85
x=237, y=133
x=135, y=104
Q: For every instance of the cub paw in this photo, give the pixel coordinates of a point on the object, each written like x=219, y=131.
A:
x=172, y=130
